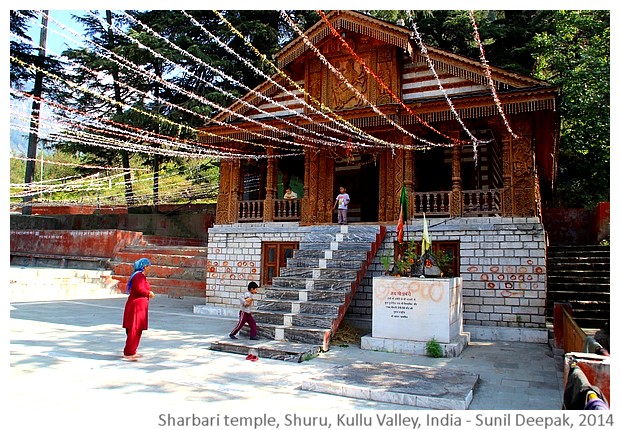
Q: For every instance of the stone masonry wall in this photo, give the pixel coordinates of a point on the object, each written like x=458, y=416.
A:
x=234, y=259
x=502, y=263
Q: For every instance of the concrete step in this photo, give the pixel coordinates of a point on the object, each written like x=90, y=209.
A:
x=298, y=320
x=305, y=295
x=360, y=255
x=302, y=307
x=578, y=249
x=173, y=241
x=593, y=285
x=585, y=266
x=313, y=284
x=341, y=246
x=318, y=273
x=328, y=264
x=138, y=251
x=267, y=348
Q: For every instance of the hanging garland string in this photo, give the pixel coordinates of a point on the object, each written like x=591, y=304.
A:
x=358, y=94
x=487, y=72
x=357, y=133
x=377, y=79
x=234, y=81
x=337, y=119
x=83, y=166
x=322, y=137
x=166, y=138
x=121, y=61
x=74, y=133
x=125, y=131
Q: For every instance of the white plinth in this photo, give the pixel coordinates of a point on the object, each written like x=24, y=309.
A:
x=417, y=309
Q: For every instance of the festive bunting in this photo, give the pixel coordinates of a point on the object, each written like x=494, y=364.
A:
x=487, y=72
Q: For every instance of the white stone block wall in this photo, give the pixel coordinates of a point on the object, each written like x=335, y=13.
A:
x=234, y=258
x=502, y=263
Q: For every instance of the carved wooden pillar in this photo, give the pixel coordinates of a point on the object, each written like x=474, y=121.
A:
x=236, y=192
x=270, y=187
x=523, y=171
x=455, y=197
x=222, y=211
x=325, y=186
x=308, y=201
x=227, y=211
x=409, y=177
x=507, y=174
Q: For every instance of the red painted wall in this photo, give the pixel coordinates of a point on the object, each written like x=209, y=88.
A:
x=91, y=243
x=577, y=226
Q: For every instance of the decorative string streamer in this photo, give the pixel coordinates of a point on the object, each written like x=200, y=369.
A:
x=235, y=82
x=135, y=68
x=340, y=120
x=487, y=72
x=431, y=66
x=380, y=81
x=358, y=94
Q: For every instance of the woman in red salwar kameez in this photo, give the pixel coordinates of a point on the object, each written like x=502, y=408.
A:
x=136, y=315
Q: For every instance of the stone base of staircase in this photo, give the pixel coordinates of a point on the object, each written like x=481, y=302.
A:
x=413, y=347
x=267, y=348
x=418, y=386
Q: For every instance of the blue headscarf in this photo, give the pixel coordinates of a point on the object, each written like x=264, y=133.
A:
x=138, y=267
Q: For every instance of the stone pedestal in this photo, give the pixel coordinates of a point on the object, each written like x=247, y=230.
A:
x=408, y=312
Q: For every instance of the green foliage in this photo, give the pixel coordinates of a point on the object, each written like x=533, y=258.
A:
x=386, y=261
x=575, y=55
x=433, y=348
x=407, y=260
x=444, y=262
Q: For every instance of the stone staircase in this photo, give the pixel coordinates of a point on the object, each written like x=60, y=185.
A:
x=308, y=300
x=580, y=276
x=178, y=265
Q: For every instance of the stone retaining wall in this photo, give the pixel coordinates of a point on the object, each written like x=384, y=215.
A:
x=234, y=259
x=502, y=263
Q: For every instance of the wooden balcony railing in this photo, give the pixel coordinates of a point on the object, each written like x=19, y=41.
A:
x=287, y=210
x=251, y=210
x=473, y=203
x=284, y=210
x=481, y=202
x=431, y=203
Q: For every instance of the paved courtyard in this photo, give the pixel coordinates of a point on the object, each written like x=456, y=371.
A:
x=66, y=366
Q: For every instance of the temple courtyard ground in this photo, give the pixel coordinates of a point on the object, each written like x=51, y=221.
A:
x=66, y=369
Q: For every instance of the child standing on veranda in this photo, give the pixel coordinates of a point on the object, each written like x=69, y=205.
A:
x=342, y=202
x=245, y=312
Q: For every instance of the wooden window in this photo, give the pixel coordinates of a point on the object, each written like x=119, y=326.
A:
x=451, y=248
x=274, y=255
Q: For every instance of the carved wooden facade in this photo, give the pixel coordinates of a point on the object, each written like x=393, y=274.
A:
x=510, y=177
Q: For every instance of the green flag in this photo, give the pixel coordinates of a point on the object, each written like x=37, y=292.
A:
x=404, y=203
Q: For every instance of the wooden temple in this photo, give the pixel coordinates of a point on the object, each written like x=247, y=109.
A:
x=463, y=158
